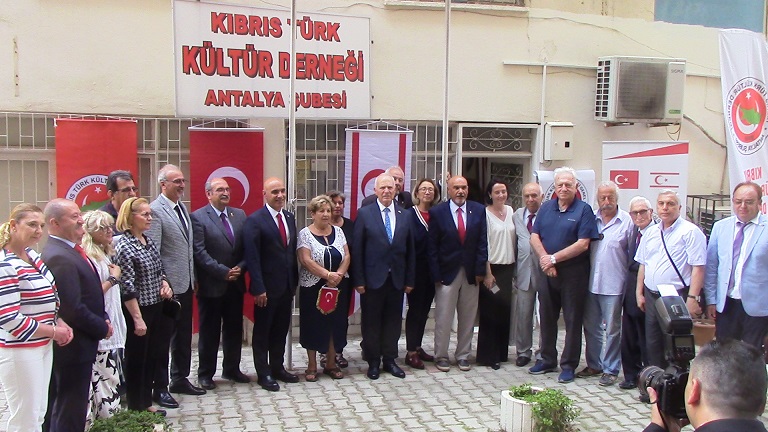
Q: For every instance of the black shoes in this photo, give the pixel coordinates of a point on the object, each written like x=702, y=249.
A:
x=522, y=361
x=373, y=371
x=183, y=386
x=268, y=383
x=394, y=369
x=207, y=383
x=164, y=399
x=285, y=376
x=628, y=384
x=237, y=377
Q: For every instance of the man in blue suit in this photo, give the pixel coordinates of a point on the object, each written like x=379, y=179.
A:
x=737, y=256
x=218, y=247
x=458, y=251
x=384, y=267
x=269, y=239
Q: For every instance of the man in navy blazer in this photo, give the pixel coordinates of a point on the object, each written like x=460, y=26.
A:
x=269, y=239
x=82, y=307
x=384, y=267
x=218, y=249
x=458, y=251
x=734, y=286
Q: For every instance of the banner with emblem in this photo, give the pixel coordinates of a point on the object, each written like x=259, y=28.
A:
x=744, y=71
x=645, y=168
x=585, y=188
x=87, y=150
x=237, y=156
x=368, y=154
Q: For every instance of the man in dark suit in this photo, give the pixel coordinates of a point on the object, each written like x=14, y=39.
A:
x=269, y=240
x=402, y=197
x=82, y=307
x=384, y=267
x=171, y=231
x=457, y=255
x=633, y=357
x=219, y=261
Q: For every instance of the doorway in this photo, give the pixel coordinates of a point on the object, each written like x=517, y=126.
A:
x=480, y=170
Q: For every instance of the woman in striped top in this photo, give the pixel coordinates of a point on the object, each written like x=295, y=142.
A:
x=28, y=320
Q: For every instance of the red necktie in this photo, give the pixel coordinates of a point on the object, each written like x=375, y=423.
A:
x=281, y=225
x=530, y=222
x=82, y=253
x=462, y=229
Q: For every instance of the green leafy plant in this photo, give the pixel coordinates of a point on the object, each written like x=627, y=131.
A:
x=131, y=421
x=553, y=411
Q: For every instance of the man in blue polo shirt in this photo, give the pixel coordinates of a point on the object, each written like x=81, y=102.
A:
x=561, y=235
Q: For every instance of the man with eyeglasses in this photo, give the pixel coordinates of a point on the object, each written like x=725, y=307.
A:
x=120, y=187
x=171, y=231
x=737, y=256
x=402, y=197
x=633, y=357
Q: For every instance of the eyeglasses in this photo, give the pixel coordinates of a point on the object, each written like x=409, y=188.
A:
x=178, y=181
x=426, y=189
x=739, y=203
x=128, y=189
x=145, y=215
x=105, y=228
x=639, y=213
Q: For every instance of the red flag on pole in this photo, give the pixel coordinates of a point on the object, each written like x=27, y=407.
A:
x=86, y=152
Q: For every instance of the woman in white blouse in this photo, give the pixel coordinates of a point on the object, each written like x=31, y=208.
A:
x=105, y=379
x=495, y=299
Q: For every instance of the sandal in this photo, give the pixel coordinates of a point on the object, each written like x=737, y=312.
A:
x=341, y=361
x=310, y=375
x=334, y=373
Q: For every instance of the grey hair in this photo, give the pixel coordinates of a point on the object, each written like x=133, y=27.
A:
x=208, y=186
x=389, y=170
x=383, y=176
x=613, y=186
x=565, y=170
x=55, y=208
x=162, y=175
x=670, y=192
x=640, y=199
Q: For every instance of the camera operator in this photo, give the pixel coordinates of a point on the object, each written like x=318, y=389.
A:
x=726, y=391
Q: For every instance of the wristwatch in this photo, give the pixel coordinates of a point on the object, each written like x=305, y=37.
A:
x=552, y=259
x=697, y=298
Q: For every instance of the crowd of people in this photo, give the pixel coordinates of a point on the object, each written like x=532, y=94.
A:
x=105, y=312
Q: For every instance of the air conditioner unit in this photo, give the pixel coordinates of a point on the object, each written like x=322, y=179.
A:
x=639, y=90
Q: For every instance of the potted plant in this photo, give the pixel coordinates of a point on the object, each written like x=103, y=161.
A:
x=531, y=409
x=131, y=421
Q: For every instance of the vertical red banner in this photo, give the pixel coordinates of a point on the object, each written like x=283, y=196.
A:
x=237, y=155
x=86, y=152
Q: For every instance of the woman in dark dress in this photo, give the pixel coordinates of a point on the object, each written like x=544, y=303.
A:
x=324, y=257
x=346, y=225
x=420, y=298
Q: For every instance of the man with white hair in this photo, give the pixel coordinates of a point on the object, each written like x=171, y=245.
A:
x=673, y=252
x=402, y=197
x=561, y=235
x=609, y=257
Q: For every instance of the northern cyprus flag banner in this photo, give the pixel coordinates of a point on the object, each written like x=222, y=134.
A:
x=744, y=70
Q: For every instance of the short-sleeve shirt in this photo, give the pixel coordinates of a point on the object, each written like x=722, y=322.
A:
x=560, y=229
x=687, y=246
x=610, y=255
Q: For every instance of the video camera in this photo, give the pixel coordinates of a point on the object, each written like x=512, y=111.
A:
x=679, y=350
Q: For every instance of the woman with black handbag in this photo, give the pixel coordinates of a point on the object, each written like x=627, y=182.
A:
x=143, y=286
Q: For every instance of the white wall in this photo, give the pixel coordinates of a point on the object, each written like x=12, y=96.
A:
x=116, y=57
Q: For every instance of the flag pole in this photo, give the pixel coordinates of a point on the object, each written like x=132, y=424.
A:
x=444, y=156
x=291, y=157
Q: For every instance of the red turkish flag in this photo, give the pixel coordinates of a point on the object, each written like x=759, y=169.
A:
x=626, y=179
x=237, y=156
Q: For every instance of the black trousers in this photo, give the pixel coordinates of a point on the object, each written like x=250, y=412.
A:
x=495, y=313
x=68, y=396
x=221, y=320
x=270, y=328
x=654, y=337
x=567, y=291
x=734, y=323
x=382, y=310
x=419, y=303
x=633, y=357
x=142, y=353
x=180, y=344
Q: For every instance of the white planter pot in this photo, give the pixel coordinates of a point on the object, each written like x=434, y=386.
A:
x=516, y=414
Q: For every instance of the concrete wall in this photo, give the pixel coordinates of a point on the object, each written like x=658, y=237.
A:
x=116, y=57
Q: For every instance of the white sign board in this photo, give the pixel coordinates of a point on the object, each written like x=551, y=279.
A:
x=234, y=61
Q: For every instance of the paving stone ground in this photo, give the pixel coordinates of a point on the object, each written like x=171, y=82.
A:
x=425, y=400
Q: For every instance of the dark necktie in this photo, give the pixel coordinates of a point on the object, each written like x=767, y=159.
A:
x=82, y=253
x=530, y=222
x=639, y=236
x=281, y=225
x=737, y=242
x=460, y=222
x=227, y=229
x=182, y=219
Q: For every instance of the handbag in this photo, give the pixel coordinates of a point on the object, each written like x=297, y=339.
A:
x=172, y=308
